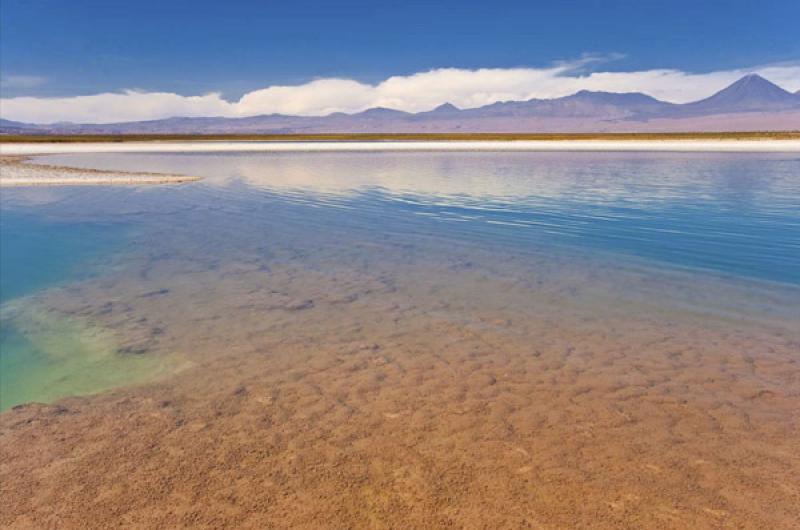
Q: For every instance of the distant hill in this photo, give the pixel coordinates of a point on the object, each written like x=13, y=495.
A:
x=15, y=127
x=750, y=93
x=750, y=104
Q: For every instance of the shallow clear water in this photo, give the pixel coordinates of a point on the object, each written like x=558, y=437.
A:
x=717, y=225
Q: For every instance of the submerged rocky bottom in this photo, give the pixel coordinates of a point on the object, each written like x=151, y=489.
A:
x=413, y=389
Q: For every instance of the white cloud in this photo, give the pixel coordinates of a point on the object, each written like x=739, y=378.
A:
x=113, y=107
x=417, y=92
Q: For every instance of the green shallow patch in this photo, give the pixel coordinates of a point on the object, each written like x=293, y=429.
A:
x=43, y=359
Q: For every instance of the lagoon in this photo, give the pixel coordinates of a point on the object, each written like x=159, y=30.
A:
x=428, y=323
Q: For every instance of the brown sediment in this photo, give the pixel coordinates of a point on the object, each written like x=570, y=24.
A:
x=410, y=393
x=16, y=171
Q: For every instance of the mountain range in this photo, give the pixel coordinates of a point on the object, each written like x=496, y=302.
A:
x=750, y=104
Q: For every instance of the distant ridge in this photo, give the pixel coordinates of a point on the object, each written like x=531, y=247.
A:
x=15, y=125
x=750, y=104
x=383, y=112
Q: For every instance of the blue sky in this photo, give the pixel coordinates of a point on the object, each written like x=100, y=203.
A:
x=191, y=47
x=248, y=52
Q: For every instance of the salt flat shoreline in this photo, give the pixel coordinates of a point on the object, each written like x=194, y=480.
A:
x=682, y=145
x=15, y=171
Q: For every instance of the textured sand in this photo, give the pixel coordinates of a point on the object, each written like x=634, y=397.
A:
x=15, y=171
x=412, y=391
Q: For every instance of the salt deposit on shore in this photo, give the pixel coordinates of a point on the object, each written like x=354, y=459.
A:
x=718, y=145
x=14, y=171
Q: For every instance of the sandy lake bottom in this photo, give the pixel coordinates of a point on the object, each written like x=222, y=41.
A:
x=405, y=340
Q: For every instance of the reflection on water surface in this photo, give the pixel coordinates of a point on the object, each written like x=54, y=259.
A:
x=730, y=213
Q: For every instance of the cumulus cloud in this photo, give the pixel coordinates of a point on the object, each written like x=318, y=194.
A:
x=413, y=93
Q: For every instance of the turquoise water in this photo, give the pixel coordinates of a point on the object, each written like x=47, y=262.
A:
x=733, y=219
x=36, y=253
